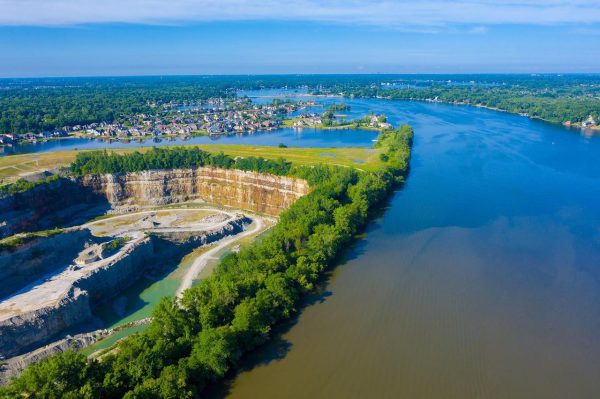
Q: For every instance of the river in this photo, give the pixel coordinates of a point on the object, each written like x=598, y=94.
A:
x=480, y=278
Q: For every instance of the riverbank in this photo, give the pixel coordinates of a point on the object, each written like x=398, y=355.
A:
x=576, y=125
x=126, y=139
x=489, y=239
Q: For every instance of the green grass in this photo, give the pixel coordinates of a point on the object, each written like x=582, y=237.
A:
x=13, y=242
x=14, y=166
x=320, y=126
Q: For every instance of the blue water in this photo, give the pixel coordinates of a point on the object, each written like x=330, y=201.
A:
x=480, y=280
x=287, y=136
x=266, y=96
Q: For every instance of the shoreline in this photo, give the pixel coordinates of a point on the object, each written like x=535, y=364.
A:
x=144, y=139
x=574, y=125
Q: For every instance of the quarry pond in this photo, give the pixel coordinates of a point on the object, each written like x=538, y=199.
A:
x=480, y=278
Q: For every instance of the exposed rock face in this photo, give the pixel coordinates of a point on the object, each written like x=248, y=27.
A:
x=112, y=278
x=24, y=330
x=20, y=332
x=14, y=366
x=38, y=257
x=69, y=202
x=253, y=191
x=59, y=203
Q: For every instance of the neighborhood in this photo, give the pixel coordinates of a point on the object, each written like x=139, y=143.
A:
x=212, y=117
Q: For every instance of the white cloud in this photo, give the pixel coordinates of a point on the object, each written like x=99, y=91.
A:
x=399, y=14
x=479, y=29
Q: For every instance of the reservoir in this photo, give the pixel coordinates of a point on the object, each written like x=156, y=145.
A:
x=480, y=278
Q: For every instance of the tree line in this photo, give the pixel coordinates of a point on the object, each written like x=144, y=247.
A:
x=198, y=339
x=552, y=105
x=101, y=162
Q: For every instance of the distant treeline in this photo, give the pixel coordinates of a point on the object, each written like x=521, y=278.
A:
x=551, y=105
x=197, y=340
x=101, y=162
x=39, y=105
x=43, y=104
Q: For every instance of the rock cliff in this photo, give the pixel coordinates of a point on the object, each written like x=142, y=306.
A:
x=14, y=366
x=253, y=191
x=39, y=256
x=60, y=203
x=20, y=331
x=68, y=202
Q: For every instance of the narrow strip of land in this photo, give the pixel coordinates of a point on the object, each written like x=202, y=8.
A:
x=202, y=260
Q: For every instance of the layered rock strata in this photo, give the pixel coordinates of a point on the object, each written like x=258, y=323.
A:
x=258, y=192
x=60, y=203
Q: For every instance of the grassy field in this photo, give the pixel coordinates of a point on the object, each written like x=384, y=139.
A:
x=14, y=166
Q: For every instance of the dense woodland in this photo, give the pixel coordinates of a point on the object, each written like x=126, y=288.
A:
x=34, y=105
x=198, y=340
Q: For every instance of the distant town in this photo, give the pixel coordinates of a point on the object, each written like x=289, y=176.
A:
x=212, y=117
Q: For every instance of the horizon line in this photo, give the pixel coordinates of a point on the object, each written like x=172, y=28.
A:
x=302, y=74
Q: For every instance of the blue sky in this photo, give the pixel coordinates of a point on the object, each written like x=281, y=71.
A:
x=134, y=37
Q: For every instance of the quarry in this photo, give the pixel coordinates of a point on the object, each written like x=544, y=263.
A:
x=109, y=232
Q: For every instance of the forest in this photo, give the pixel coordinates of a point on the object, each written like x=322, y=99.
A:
x=195, y=341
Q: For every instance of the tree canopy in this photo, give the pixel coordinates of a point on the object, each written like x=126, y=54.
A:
x=101, y=162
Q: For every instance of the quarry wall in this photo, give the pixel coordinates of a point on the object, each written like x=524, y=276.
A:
x=258, y=192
